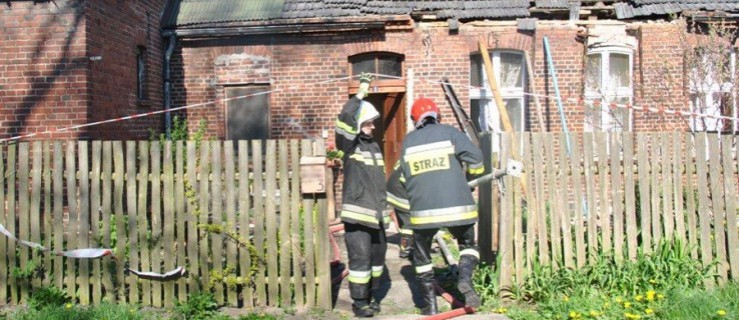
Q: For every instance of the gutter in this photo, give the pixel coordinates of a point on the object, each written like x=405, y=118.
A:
x=167, y=85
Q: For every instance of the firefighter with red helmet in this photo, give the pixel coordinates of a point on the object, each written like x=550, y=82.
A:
x=364, y=207
x=397, y=197
x=432, y=170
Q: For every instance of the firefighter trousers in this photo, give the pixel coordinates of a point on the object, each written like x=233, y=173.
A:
x=465, y=236
x=366, y=249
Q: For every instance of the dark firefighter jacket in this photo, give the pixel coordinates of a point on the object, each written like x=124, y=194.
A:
x=396, y=194
x=363, y=198
x=431, y=168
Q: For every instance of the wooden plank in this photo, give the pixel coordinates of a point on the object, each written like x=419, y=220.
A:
x=124, y=219
x=730, y=191
x=216, y=217
x=308, y=240
x=156, y=226
x=691, y=215
x=518, y=241
x=486, y=227
x=23, y=252
x=107, y=207
x=590, y=187
x=270, y=209
x=505, y=245
x=532, y=220
x=259, y=216
x=656, y=186
x=35, y=207
x=643, y=165
x=169, y=252
x=704, y=214
x=191, y=187
x=539, y=177
x=604, y=211
x=632, y=229
x=4, y=242
x=295, y=223
x=95, y=212
x=48, y=219
x=554, y=217
x=203, y=211
x=244, y=224
x=565, y=213
x=667, y=209
x=180, y=217
x=617, y=196
x=323, y=267
x=11, y=220
x=580, y=205
x=717, y=204
x=143, y=227
x=231, y=222
x=71, y=235
x=84, y=222
x=677, y=164
x=284, y=229
x=58, y=226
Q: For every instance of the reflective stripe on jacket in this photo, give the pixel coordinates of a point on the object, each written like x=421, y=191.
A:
x=431, y=166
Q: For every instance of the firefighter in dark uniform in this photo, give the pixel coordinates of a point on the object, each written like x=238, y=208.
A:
x=397, y=197
x=364, y=207
x=431, y=165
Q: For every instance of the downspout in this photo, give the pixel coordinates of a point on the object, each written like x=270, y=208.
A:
x=167, y=84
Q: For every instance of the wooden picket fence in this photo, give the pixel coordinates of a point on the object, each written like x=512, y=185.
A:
x=614, y=193
x=231, y=213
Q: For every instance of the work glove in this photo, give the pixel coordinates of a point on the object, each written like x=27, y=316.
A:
x=364, y=83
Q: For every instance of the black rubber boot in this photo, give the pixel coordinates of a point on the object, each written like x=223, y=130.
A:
x=374, y=303
x=406, y=245
x=467, y=264
x=362, y=309
x=428, y=295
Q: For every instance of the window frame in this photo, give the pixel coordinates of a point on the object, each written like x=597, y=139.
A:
x=142, y=83
x=381, y=85
x=605, y=97
x=485, y=95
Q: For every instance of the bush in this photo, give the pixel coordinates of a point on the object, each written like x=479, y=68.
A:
x=199, y=306
x=48, y=297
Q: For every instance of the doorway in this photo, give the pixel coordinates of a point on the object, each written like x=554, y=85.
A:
x=390, y=127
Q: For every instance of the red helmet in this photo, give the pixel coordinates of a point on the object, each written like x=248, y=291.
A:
x=423, y=108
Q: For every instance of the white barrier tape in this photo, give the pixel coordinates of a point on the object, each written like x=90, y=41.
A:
x=96, y=253
x=650, y=109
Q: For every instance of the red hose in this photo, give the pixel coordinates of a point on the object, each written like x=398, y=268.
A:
x=450, y=314
x=448, y=297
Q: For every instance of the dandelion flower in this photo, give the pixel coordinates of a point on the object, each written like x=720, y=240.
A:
x=648, y=311
x=652, y=281
x=627, y=304
x=594, y=313
x=619, y=300
x=639, y=298
x=565, y=298
x=660, y=296
x=574, y=315
x=68, y=306
x=721, y=313
x=650, y=295
x=631, y=316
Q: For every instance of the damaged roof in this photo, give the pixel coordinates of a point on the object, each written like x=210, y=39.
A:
x=210, y=12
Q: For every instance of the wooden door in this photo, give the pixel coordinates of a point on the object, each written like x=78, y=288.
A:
x=391, y=126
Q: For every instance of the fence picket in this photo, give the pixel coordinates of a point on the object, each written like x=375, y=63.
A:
x=323, y=269
x=216, y=219
x=642, y=140
x=143, y=225
x=690, y=208
x=180, y=217
x=270, y=209
x=666, y=184
x=95, y=208
x=730, y=194
x=155, y=241
x=717, y=204
x=543, y=240
x=4, y=242
x=71, y=233
x=258, y=215
x=35, y=207
x=629, y=194
x=191, y=187
x=590, y=187
x=655, y=187
x=308, y=229
x=202, y=213
x=604, y=213
x=295, y=223
x=563, y=200
x=616, y=196
x=119, y=219
x=677, y=166
x=10, y=175
x=505, y=244
x=107, y=208
x=284, y=229
x=23, y=217
x=580, y=204
x=169, y=251
x=532, y=220
x=83, y=232
x=231, y=222
x=48, y=222
x=133, y=218
x=703, y=200
x=554, y=210
x=244, y=224
x=58, y=226
x=518, y=240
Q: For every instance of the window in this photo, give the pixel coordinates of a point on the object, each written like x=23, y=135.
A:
x=247, y=113
x=509, y=69
x=711, y=82
x=377, y=62
x=141, y=85
x=608, y=81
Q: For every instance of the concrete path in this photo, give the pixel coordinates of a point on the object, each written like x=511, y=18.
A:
x=400, y=295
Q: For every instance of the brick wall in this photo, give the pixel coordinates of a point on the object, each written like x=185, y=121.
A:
x=48, y=82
